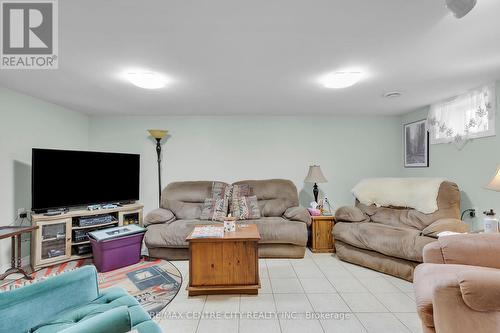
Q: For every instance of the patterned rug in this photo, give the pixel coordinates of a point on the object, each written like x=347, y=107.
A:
x=154, y=284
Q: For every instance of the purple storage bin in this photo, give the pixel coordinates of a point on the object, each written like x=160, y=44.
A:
x=118, y=252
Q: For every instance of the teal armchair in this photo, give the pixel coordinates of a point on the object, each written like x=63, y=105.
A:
x=72, y=303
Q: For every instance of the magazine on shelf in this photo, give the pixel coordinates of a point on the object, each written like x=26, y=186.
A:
x=208, y=232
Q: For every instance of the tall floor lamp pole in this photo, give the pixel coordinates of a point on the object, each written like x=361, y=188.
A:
x=158, y=135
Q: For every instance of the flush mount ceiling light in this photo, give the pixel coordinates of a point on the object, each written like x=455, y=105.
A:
x=460, y=8
x=341, y=79
x=146, y=79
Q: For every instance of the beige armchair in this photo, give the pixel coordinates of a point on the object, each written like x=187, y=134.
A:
x=457, y=288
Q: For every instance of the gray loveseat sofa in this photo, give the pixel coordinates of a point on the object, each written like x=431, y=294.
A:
x=283, y=225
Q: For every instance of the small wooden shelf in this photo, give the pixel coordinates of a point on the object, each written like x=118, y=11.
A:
x=83, y=256
x=53, y=239
x=95, y=226
x=80, y=243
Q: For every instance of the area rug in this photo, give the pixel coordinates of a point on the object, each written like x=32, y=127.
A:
x=154, y=284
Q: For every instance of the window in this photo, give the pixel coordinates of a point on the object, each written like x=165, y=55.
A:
x=465, y=117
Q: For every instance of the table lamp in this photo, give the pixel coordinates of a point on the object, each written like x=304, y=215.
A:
x=315, y=175
x=494, y=183
x=158, y=135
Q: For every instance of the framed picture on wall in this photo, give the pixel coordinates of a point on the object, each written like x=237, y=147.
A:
x=416, y=144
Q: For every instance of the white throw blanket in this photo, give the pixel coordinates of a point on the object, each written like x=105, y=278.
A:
x=418, y=193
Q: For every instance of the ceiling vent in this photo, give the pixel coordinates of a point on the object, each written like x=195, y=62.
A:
x=393, y=94
x=460, y=8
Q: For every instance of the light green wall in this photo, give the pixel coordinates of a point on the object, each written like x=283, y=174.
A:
x=471, y=167
x=25, y=123
x=231, y=148
x=227, y=148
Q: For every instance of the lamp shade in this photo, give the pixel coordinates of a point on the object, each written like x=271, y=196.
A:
x=157, y=134
x=315, y=175
x=494, y=183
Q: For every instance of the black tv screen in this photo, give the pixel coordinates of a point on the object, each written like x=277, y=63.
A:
x=65, y=178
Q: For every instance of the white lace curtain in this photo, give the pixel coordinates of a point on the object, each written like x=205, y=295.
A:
x=465, y=117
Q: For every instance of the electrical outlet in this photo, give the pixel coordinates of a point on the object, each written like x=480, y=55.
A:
x=21, y=212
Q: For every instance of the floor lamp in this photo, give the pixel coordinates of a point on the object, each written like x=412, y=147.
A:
x=158, y=135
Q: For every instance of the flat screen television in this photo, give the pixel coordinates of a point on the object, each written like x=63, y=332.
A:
x=67, y=178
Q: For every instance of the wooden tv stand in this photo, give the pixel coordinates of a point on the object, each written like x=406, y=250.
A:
x=53, y=243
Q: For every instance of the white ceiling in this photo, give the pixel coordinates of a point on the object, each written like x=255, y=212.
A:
x=264, y=56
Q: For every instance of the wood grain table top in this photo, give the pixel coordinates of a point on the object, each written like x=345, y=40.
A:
x=9, y=231
x=243, y=232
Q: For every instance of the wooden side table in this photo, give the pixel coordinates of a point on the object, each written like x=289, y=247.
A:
x=321, y=234
x=15, y=233
x=227, y=265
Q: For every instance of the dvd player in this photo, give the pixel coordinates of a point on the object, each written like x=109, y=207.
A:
x=87, y=221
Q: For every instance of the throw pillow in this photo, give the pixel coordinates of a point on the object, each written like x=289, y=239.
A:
x=214, y=209
x=221, y=190
x=245, y=208
x=239, y=191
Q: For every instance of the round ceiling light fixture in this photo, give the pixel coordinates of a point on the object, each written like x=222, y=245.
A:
x=392, y=94
x=146, y=79
x=341, y=79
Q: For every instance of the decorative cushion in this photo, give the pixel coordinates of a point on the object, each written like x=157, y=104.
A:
x=245, y=208
x=238, y=191
x=221, y=190
x=241, y=190
x=214, y=209
x=159, y=215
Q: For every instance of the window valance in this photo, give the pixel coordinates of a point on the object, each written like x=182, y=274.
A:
x=465, y=117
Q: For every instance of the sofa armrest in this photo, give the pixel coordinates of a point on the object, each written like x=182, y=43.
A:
x=116, y=320
x=159, y=215
x=432, y=253
x=68, y=290
x=467, y=249
x=480, y=290
x=441, y=225
x=350, y=214
x=298, y=214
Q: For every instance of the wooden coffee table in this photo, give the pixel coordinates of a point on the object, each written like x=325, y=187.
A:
x=228, y=265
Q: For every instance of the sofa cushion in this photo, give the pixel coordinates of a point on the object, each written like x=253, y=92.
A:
x=109, y=299
x=159, y=215
x=221, y=190
x=404, y=243
x=281, y=231
x=185, y=199
x=113, y=320
x=274, y=195
x=214, y=209
x=245, y=208
x=350, y=214
x=271, y=229
x=171, y=235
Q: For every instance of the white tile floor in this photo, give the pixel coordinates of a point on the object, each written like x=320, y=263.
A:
x=368, y=301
